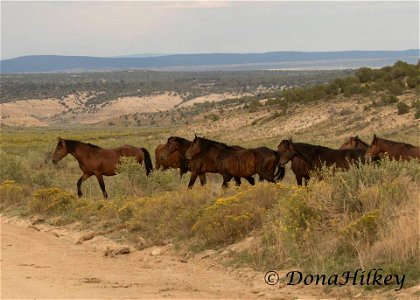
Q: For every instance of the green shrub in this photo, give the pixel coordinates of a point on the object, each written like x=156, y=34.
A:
x=389, y=99
x=402, y=108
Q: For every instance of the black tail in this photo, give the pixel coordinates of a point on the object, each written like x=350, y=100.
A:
x=279, y=174
x=184, y=167
x=147, y=161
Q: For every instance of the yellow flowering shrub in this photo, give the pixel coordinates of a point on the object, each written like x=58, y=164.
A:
x=12, y=194
x=51, y=200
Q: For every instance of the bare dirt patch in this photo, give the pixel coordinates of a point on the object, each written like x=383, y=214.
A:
x=38, y=264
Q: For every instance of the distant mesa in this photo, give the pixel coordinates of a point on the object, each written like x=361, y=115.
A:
x=212, y=61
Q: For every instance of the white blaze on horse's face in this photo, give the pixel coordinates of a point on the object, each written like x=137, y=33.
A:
x=60, y=151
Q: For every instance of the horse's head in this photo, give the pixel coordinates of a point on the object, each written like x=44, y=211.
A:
x=60, y=151
x=286, y=151
x=283, y=146
x=194, y=148
x=374, y=149
x=171, y=146
x=350, y=143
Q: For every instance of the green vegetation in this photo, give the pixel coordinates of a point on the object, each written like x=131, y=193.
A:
x=394, y=80
x=101, y=87
x=402, y=108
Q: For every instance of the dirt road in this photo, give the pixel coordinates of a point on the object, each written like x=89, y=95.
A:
x=47, y=264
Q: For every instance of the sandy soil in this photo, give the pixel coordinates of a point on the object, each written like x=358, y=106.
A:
x=72, y=109
x=49, y=264
x=212, y=98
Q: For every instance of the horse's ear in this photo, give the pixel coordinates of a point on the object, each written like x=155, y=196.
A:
x=375, y=138
x=195, y=135
x=357, y=137
x=290, y=141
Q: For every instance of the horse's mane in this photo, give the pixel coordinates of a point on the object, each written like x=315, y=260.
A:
x=179, y=139
x=394, y=143
x=310, y=146
x=306, y=147
x=206, y=143
x=361, y=141
x=72, y=145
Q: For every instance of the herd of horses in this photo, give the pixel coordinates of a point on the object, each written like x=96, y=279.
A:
x=202, y=156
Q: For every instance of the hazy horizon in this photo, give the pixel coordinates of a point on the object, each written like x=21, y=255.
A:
x=115, y=29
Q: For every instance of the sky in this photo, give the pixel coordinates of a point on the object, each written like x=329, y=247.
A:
x=124, y=28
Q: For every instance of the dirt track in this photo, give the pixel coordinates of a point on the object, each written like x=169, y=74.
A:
x=50, y=264
x=38, y=264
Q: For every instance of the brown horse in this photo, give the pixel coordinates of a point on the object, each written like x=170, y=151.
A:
x=94, y=160
x=354, y=142
x=395, y=150
x=316, y=156
x=200, y=162
x=173, y=155
x=173, y=161
x=299, y=166
x=233, y=162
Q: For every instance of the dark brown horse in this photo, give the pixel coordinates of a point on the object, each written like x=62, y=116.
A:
x=200, y=162
x=395, y=150
x=232, y=161
x=354, y=142
x=300, y=166
x=173, y=155
x=317, y=156
x=173, y=161
x=94, y=160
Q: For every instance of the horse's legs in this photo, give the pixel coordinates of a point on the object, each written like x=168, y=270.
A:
x=192, y=179
x=237, y=180
x=79, y=183
x=299, y=180
x=306, y=180
x=226, y=179
x=203, y=179
x=251, y=180
x=102, y=184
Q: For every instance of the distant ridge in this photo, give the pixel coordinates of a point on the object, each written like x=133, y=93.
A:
x=223, y=61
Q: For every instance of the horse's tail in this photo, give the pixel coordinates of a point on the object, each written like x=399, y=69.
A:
x=184, y=166
x=147, y=161
x=279, y=175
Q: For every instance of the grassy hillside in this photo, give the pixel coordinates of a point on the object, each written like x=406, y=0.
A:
x=364, y=218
